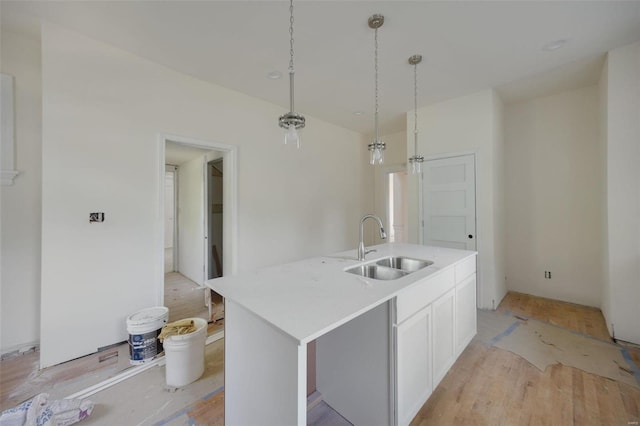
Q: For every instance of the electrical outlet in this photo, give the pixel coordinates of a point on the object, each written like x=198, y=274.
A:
x=547, y=275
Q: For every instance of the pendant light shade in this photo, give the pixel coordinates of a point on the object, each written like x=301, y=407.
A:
x=377, y=147
x=415, y=161
x=291, y=121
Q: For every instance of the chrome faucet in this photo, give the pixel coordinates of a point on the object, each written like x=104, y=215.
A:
x=362, y=252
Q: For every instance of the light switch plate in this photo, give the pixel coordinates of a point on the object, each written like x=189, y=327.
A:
x=96, y=217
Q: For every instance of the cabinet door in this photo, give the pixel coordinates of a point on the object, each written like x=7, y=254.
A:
x=466, y=314
x=413, y=365
x=443, y=335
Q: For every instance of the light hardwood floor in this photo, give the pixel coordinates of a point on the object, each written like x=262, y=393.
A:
x=183, y=297
x=491, y=386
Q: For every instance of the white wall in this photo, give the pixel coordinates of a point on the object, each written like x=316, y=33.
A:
x=20, y=211
x=463, y=125
x=103, y=110
x=622, y=286
x=554, y=196
x=191, y=219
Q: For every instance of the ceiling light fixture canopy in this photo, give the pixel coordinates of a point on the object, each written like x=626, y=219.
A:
x=554, y=45
x=415, y=161
x=377, y=147
x=291, y=121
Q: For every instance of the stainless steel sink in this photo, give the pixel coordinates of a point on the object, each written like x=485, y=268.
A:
x=405, y=264
x=376, y=272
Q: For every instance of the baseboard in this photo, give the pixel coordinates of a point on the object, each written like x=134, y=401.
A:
x=21, y=349
x=215, y=336
x=132, y=371
x=313, y=399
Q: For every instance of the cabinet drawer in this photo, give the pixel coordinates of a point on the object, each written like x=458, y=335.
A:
x=423, y=293
x=465, y=268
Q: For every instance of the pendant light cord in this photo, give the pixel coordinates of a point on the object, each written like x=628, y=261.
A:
x=415, y=109
x=376, y=79
x=291, y=69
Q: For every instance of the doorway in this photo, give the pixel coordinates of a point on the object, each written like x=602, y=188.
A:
x=396, y=205
x=204, y=179
x=170, y=195
x=215, y=203
x=449, y=202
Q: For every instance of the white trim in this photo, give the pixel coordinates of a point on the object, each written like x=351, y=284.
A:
x=131, y=372
x=230, y=201
x=126, y=374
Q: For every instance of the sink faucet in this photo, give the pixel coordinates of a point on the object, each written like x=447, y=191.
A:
x=362, y=252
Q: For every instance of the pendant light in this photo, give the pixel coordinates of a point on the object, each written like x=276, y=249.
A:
x=291, y=121
x=415, y=161
x=377, y=147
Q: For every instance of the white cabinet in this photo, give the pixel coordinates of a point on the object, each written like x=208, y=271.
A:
x=413, y=365
x=443, y=335
x=466, y=315
x=435, y=320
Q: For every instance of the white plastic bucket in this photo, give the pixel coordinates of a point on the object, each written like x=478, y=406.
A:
x=143, y=328
x=184, y=355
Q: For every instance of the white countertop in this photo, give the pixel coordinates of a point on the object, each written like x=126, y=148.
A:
x=311, y=297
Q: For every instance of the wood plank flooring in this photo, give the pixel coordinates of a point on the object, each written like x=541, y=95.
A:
x=20, y=378
x=583, y=319
x=490, y=386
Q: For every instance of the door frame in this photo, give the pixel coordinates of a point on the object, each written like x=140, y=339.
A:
x=230, y=201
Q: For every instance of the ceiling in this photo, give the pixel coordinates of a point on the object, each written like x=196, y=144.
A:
x=466, y=45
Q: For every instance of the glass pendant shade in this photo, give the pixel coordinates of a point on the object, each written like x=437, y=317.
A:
x=291, y=136
x=415, y=164
x=417, y=168
x=376, y=153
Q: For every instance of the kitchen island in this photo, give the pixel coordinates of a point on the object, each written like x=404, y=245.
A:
x=382, y=345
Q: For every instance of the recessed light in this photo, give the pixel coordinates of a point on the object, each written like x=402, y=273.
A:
x=274, y=75
x=554, y=45
x=358, y=113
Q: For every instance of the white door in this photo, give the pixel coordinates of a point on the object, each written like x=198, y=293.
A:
x=449, y=202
